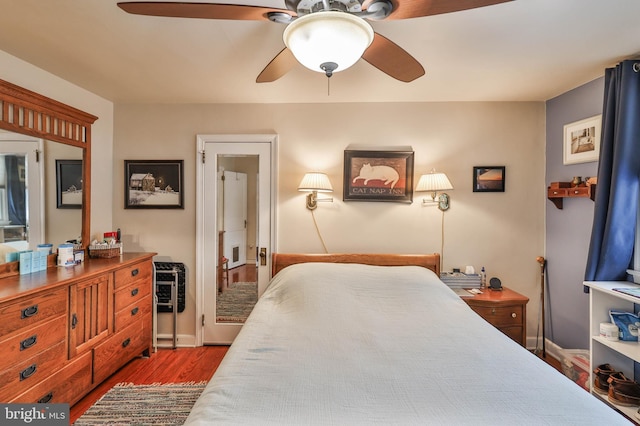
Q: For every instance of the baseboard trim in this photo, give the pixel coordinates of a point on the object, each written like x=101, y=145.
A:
x=550, y=348
x=183, y=341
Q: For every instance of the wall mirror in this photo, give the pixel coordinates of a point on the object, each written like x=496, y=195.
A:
x=64, y=133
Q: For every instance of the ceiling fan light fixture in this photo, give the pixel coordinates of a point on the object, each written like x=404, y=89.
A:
x=328, y=37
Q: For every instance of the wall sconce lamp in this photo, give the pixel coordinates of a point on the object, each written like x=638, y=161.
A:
x=435, y=182
x=315, y=182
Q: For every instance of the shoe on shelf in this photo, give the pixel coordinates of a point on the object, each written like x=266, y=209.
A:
x=601, y=377
x=623, y=391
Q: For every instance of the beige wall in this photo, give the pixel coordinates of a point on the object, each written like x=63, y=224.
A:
x=502, y=231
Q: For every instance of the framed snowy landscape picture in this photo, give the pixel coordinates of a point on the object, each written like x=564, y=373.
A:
x=153, y=184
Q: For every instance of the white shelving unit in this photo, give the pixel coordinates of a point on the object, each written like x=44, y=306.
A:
x=620, y=355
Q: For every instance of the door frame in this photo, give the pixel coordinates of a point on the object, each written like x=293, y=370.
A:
x=36, y=225
x=201, y=141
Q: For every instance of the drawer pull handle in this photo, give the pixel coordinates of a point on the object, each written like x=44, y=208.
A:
x=134, y=311
x=74, y=321
x=48, y=397
x=29, y=312
x=493, y=310
x=28, y=342
x=126, y=343
x=134, y=291
x=134, y=272
x=28, y=372
x=513, y=315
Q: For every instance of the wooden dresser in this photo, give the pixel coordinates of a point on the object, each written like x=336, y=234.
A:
x=505, y=309
x=65, y=330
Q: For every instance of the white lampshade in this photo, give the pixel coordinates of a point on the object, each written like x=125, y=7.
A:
x=328, y=36
x=315, y=182
x=433, y=182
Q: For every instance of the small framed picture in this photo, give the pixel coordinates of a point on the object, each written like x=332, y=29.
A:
x=488, y=178
x=153, y=184
x=69, y=184
x=378, y=175
x=582, y=140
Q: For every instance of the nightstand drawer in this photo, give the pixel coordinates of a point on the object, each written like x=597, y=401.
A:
x=506, y=310
x=501, y=316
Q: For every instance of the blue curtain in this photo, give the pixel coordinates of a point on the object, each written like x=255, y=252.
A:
x=15, y=190
x=616, y=202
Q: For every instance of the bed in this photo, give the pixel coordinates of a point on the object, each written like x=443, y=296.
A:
x=340, y=339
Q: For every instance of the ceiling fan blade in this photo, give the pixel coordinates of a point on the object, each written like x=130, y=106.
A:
x=200, y=10
x=403, y=9
x=279, y=66
x=393, y=60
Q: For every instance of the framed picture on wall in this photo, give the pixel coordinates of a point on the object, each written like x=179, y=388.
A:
x=153, y=184
x=489, y=178
x=378, y=175
x=582, y=140
x=68, y=184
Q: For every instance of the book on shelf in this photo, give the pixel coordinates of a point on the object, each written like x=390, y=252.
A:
x=631, y=291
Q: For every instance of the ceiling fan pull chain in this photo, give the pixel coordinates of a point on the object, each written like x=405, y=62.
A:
x=328, y=86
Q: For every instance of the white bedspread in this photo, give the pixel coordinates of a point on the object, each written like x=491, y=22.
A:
x=352, y=344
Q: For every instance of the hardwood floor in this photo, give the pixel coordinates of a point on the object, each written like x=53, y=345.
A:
x=165, y=366
x=243, y=274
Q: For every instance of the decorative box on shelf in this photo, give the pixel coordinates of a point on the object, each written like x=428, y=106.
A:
x=558, y=191
x=105, y=251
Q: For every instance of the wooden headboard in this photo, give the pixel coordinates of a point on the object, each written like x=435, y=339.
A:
x=429, y=261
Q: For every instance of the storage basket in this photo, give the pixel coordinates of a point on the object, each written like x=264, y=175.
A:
x=575, y=365
x=104, y=252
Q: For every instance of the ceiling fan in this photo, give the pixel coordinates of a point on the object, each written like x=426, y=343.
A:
x=324, y=35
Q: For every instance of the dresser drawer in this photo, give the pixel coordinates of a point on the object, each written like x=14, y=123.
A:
x=133, y=312
x=136, y=292
x=139, y=272
x=23, y=375
x=28, y=343
x=32, y=310
x=120, y=348
x=501, y=316
x=67, y=385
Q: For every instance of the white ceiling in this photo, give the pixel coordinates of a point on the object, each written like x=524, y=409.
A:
x=519, y=51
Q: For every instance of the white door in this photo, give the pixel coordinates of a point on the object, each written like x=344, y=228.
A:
x=234, y=221
x=21, y=196
x=211, y=149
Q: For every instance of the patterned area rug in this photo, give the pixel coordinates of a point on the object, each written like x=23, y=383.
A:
x=127, y=404
x=235, y=303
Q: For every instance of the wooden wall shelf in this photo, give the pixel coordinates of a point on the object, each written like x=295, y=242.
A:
x=558, y=191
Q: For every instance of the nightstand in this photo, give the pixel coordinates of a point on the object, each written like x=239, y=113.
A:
x=506, y=310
